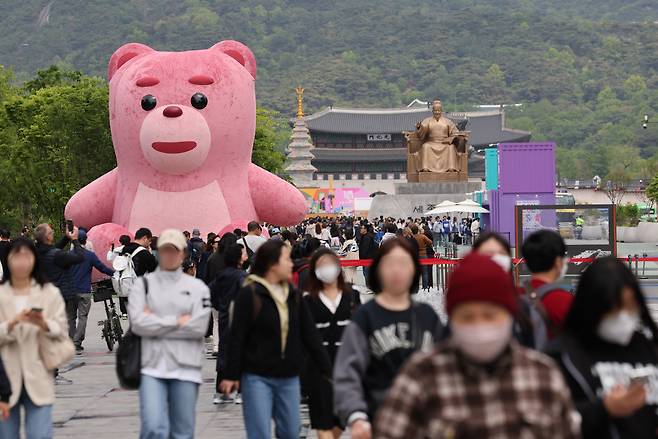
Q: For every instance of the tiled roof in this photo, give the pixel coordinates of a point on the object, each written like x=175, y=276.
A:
x=486, y=127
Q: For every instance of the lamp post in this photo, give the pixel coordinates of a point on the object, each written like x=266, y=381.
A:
x=646, y=121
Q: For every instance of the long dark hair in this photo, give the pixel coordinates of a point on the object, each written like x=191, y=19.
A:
x=388, y=246
x=37, y=271
x=211, y=238
x=232, y=255
x=225, y=241
x=267, y=256
x=599, y=292
x=315, y=285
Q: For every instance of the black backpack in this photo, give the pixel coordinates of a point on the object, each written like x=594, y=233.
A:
x=129, y=356
x=250, y=255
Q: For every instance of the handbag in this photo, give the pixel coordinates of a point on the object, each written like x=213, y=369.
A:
x=55, y=351
x=129, y=356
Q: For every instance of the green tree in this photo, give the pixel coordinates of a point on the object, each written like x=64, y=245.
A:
x=494, y=82
x=62, y=143
x=269, y=127
x=652, y=190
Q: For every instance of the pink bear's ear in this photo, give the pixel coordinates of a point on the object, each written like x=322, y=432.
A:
x=124, y=54
x=238, y=52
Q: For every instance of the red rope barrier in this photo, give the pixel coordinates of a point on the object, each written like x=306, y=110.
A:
x=441, y=261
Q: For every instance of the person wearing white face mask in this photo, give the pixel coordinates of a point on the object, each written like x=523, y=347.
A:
x=608, y=352
x=495, y=246
x=332, y=302
x=479, y=383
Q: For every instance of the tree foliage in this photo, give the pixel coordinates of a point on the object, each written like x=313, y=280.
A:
x=652, y=190
x=585, y=72
x=55, y=138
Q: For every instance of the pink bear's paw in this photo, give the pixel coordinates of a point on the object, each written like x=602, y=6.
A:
x=275, y=200
x=102, y=237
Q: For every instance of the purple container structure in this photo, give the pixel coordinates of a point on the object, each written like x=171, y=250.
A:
x=526, y=176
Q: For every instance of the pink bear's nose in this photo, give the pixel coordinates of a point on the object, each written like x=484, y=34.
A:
x=172, y=111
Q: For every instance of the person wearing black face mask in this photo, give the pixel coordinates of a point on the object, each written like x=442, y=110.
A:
x=608, y=353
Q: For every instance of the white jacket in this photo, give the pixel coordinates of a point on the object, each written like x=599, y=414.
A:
x=171, y=294
x=20, y=347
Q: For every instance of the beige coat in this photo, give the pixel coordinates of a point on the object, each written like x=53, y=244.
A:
x=20, y=348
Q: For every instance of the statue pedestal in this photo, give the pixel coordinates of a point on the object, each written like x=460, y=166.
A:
x=435, y=177
x=438, y=177
x=415, y=199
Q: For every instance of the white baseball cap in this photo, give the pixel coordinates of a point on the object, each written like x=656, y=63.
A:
x=172, y=237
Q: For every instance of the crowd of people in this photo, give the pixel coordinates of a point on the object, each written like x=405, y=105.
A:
x=289, y=325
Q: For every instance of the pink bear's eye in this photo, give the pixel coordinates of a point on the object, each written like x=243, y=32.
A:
x=149, y=102
x=199, y=101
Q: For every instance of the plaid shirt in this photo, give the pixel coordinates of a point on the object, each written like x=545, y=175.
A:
x=440, y=395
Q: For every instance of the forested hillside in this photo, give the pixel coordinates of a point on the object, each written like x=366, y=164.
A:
x=586, y=72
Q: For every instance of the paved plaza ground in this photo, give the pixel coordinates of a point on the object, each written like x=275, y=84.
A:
x=94, y=407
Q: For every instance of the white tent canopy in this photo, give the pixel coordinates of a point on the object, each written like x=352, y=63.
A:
x=470, y=206
x=443, y=207
x=466, y=206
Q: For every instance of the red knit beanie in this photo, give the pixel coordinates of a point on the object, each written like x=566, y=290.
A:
x=479, y=278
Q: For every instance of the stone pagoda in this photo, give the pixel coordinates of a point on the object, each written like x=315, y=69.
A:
x=299, y=155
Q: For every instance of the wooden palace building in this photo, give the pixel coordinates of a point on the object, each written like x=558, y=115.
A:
x=356, y=145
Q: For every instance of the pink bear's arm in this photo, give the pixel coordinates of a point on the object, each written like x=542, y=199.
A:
x=94, y=203
x=275, y=200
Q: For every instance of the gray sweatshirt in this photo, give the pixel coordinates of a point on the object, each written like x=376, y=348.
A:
x=170, y=351
x=374, y=346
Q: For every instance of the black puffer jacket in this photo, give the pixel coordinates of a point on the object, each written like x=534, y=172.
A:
x=223, y=291
x=255, y=338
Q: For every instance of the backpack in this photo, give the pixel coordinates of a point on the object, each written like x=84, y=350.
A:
x=124, y=272
x=129, y=356
x=296, y=274
x=196, y=249
x=250, y=255
x=536, y=316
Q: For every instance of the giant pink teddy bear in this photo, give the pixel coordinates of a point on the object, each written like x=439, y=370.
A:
x=183, y=128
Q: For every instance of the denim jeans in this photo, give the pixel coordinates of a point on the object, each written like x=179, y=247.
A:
x=264, y=398
x=167, y=408
x=38, y=420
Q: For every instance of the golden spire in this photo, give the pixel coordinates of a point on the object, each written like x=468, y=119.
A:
x=300, y=104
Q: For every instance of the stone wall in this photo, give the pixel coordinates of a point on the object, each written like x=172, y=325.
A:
x=644, y=232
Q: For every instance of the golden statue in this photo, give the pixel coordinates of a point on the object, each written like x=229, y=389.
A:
x=437, y=145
